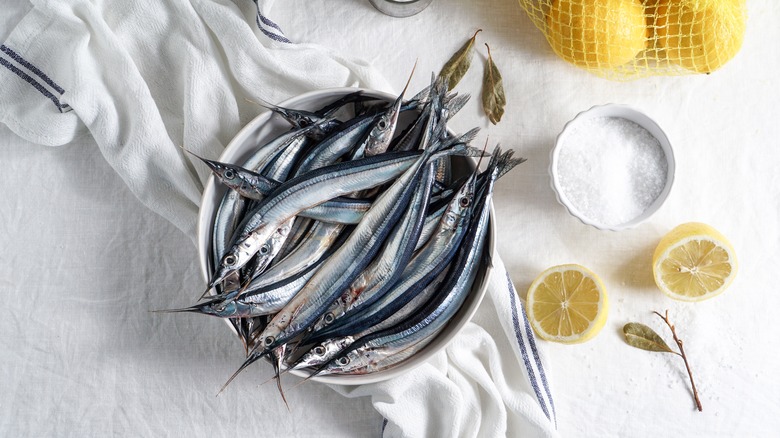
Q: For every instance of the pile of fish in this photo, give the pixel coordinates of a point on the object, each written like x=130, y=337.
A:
x=345, y=245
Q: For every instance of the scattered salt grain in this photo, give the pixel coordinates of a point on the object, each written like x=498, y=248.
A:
x=611, y=169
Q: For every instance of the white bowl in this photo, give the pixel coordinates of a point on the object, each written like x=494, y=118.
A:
x=624, y=112
x=262, y=129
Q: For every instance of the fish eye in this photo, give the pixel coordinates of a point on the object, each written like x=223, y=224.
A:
x=382, y=124
x=220, y=307
x=230, y=260
x=464, y=202
x=319, y=351
x=343, y=361
x=329, y=318
x=269, y=340
x=264, y=249
x=229, y=174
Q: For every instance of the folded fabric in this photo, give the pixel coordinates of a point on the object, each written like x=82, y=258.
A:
x=144, y=78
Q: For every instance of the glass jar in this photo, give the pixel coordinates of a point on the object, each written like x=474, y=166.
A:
x=400, y=8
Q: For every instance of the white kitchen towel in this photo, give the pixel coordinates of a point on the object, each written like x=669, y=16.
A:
x=143, y=78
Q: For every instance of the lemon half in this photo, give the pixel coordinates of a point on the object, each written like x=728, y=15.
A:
x=694, y=262
x=567, y=304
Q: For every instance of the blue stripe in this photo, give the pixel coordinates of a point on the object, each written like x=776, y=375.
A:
x=523, y=351
x=268, y=22
x=272, y=35
x=538, y=360
x=260, y=17
x=15, y=56
x=32, y=82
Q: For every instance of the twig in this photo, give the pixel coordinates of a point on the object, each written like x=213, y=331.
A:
x=682, y=354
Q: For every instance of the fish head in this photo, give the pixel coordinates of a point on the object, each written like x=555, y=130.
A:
x=323, y=321
x=382, y=133
x=323, y=352
x=218, y=307
x=268, y=250
x=229, y=174
x=356, y=361
x=239, y=254
x=461, y=203
x=270, y=337
x=221, y=309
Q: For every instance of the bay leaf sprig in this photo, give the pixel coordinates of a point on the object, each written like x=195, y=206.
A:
x=643, y=337
x=493, y=97
x=454, y=70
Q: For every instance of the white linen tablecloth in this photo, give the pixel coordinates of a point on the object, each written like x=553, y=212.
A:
x=77, y=247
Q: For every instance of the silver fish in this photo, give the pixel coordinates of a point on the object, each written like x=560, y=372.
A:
x=387, y=267
x=330, y=348
x=301, y=193
x=422, y=269
x=385, y=348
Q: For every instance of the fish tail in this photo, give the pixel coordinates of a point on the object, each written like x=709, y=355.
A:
x=504, y=161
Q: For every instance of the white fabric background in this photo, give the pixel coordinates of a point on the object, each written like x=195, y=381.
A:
x=77, y=248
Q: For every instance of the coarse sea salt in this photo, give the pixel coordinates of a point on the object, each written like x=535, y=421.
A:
x=610, y=169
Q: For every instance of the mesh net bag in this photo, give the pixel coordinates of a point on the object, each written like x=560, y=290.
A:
x=629, y=39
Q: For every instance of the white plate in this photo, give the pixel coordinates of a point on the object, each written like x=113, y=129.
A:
x=266, y=126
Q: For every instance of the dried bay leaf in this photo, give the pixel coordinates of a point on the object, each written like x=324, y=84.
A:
x=493, y=97
x=454, y=70
x=641, y=336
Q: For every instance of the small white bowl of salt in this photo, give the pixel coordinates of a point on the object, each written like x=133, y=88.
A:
x=612, y=167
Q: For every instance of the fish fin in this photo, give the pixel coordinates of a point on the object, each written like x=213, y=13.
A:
x=276, y=355
x=249, y=361
x=277, y=364
x=422, y=96
x=461, y=150
x=505, y=162
x=455, y=104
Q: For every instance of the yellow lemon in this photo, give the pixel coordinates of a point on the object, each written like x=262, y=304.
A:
x=597, y=34
x=568, y=304
x=694, y=262
x=700, y=35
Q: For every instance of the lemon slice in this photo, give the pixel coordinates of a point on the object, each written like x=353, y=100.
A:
x=567, y=304
x=694, y=262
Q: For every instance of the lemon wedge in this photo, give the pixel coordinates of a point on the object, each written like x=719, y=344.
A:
x=694, y=262
x=567, y=304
